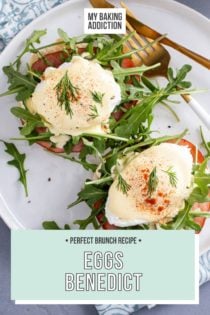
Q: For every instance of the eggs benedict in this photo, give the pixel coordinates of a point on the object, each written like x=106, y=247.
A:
x=159, y=180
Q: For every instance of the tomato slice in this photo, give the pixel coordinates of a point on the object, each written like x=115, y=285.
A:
x=48, y=145
x=196, y=154
x=54, y=59
x=78, y=147
x=127, y=63
x=40, y=130
x=119, y=113
x=205, y=207
x=106, y=225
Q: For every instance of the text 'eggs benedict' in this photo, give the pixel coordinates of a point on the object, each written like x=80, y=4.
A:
x=78, y=97
x=167, y=168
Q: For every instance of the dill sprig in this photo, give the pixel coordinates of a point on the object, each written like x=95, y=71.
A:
x=122, y=184
x=66, y=93
x=153, y=181
x=94, y=112
x=172, y=176
x=97, y=97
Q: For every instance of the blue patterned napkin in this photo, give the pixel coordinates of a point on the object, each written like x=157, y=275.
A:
x=14, y=15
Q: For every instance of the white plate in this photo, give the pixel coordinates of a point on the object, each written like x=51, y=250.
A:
x=48, y=199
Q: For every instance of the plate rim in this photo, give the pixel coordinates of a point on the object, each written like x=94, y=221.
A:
x=170, y=3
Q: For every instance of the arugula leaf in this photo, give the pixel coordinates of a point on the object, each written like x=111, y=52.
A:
x=100, y=144
x=71, y=42
x=52, y=225
x=181, y=219
x=110, y=49
x=35, y=37
x=21, y=84
x=205, y=143
x=121, y=73
x=96, y=208
x=101, y=180
x=90, y=194
x=131, y=123
x=199, y=194
x=31, y=121
x=29, y=45
x=33, y=137
x=113, y=49
x=68, y=146
x=83, y=159
x=201, y=181
x=90, y=219
x=178, y=80
x=84, y=223
x=17, y=161
x=93, y=148
x=63, y=35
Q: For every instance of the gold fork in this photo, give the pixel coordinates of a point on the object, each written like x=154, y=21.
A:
x=148, y=32
x=154, y=54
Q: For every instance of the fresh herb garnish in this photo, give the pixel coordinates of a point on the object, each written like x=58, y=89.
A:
x=122, y=185
x=97, y=97
x=66, y=93
x=94, y=112
x=153, y=181
x=172, y=176
x=18, y=162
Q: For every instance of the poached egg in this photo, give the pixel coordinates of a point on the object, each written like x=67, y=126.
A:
x=139, y=206
x=88, y=114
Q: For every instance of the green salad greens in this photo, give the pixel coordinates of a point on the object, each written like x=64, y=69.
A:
x=129, y=124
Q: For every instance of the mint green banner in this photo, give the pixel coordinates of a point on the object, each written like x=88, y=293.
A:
x=103, y=265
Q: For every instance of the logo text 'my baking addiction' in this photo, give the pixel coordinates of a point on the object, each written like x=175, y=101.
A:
x=104, y=21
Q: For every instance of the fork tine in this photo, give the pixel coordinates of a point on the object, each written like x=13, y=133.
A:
x=136, y=58
x=134, y=45
x=139, y=41
x=142, y=40
x=149, y=55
